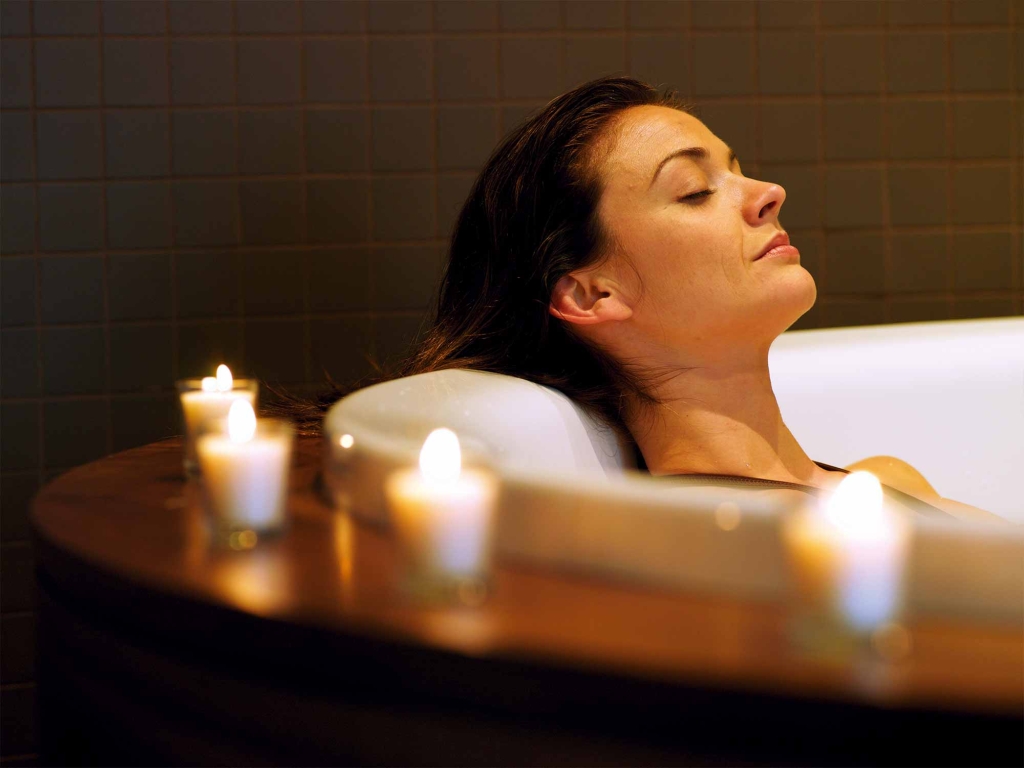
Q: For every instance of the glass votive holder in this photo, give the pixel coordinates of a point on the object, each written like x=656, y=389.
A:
x=200, y=405
x=245, y=473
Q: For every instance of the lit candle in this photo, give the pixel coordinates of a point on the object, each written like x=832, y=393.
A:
x=209, y=398
x=245, y=474
x=443, y=515
x=849, y=557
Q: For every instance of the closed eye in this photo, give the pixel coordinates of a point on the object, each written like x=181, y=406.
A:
x=697, y=197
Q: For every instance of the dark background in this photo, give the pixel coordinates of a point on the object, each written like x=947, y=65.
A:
x=272, y=184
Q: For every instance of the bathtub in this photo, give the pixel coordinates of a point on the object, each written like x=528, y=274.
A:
x=948, y=397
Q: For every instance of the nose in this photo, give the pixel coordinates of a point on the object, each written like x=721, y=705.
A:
x=764, y=202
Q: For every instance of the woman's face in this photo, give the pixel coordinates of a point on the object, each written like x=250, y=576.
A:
x=677, y=207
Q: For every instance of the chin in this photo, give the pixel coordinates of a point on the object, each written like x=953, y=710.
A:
x=791, y=301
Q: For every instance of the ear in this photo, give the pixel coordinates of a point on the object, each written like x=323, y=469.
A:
x=587, y=300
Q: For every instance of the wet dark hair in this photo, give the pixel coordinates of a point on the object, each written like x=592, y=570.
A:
x=530, y=219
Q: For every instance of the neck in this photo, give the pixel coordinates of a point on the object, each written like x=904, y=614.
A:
x=720, y=419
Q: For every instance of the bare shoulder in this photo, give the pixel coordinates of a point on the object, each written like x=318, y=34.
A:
x=902, y=476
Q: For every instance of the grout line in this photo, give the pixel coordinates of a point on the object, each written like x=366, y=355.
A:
x=104, y=207
x=950, y=261
x=175, y=340
x=820, y=165
x=36, y=250
x=887, y=262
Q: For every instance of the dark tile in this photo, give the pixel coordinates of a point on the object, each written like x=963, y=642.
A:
x=67, y=73
x=789, y=132
x=983, y=261
x=787, y=62
x=71, y=289
x=18, y=289
x=465, y=136
x=143, y=420
x=853, y=130
x=139, y=214
x=269, y=71
x=919, y=264
x=595, y=14
x=336, y=210
x=530, y=67
x=270, y=142
x=984, y=129
x=588, y=58
x=340, y=348
x=15, y=19
x=853, y=197
x=201, y=348
x=466, y=15
x=15, y=73
x=69, y=145
x=982, y=12
x=402, y=138
x=204, y=143
x=514, y=115
x=982, y=195
x=852, y=13
x=850, y=314
x=209, y=284
x=916, y=62
x=336, y=140
x=75, y=432
x=917, y=129
x=988, y=307
x=202, y=72
x=190, y=17
x=74, y=362
x=267, y=17
x=656, y=14
x=712, y=14
x=137, y=143
x=141, y=358
x=734, y=123
x=394, y=335
x=328, y=16
x=65, y=17
x=16, y=494
x=981, y=61
x=134, y=72
x=452, y=191
x=130, y=17
x=19, y=362
x=275, y=350
x=723, y=65
x=271, y=212
x=917, y=196
x=528, y=14
x=273, y=283
x=205, y=212
x=852, y=62
x=139, y=286
x=466, y=67
x=912, y=310
x=339, y=280
x=661, y=60
x=916, y=12
x=19, y=721
x=854, y=263
x=336, y=70
x=405, y=276
x=400, y=16
x=786, y=13
x=403, y=208
x=19, y=428
x=16, y=147
x=17, y=588
x=803, y=193
x=400, y=70
x=18, y=211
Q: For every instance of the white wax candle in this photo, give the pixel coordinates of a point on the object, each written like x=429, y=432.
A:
x=245, y=476
x=443, y=515
x=210, y=399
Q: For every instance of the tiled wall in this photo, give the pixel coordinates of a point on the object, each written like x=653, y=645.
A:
x=272, y=183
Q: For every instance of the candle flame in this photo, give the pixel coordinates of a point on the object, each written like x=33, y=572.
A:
x=224, y=380
x=856, y=506
x=440, y=457
x=241, y=422
x=209, y=384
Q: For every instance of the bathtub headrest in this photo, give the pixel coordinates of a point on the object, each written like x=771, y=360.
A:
x=511, y=423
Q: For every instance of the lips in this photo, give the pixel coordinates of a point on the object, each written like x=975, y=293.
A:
x=780, y=239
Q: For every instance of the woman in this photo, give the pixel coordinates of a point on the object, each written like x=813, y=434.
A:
x=613, y=249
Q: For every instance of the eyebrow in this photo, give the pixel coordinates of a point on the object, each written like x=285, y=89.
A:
x=697, y=153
